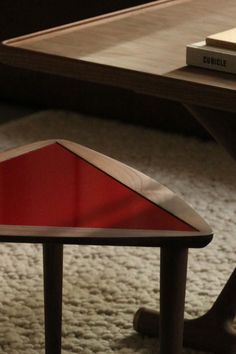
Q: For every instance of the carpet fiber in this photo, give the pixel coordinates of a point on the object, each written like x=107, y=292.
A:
x=104, y=286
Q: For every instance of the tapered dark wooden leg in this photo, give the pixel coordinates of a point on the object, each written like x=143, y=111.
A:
x=172, y=298
x=211, y=332
x=221, y=125
x=53, y=273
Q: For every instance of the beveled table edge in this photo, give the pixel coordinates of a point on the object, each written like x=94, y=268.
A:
x=128, y=176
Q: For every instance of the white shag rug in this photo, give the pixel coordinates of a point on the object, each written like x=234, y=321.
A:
x=104, y=286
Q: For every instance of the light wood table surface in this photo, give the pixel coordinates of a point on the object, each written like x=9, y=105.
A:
x=141, y=49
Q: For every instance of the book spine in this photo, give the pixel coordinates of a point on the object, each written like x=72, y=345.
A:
x=210, y=59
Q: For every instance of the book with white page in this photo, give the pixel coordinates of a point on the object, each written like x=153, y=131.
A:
x=202, y=55
x=225, y=39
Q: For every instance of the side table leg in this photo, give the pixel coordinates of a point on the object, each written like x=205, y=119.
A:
x=172, y=298
x=53, y=273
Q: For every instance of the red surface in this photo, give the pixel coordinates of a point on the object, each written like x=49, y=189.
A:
x=53, y=187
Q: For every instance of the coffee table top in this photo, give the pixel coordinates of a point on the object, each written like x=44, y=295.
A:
x=60, y=191
x=142, y=48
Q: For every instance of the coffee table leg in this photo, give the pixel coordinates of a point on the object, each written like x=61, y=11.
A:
x=221, y=125
x=53, y=273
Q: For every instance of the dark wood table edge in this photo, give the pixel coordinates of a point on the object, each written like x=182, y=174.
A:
x=165, y=86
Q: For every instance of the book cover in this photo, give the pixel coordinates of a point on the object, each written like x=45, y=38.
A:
x=226, y=39
x=202, y=55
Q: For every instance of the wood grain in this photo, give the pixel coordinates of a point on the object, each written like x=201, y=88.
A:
x=88, y=22
x=142, y=49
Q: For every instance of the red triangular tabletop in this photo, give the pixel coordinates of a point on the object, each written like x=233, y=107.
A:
x=53, y=186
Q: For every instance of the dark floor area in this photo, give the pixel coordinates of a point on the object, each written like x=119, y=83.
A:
x=11, y=111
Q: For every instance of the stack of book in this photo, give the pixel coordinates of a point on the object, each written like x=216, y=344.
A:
x=217, y=52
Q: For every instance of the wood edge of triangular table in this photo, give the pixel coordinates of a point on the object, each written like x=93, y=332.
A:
x=131, y=178
x=96, y=236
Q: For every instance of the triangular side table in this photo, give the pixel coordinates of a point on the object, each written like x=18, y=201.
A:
x=57, y=192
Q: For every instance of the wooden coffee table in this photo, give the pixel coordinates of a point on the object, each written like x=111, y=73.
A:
x=57, y=192
x=143, y=49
